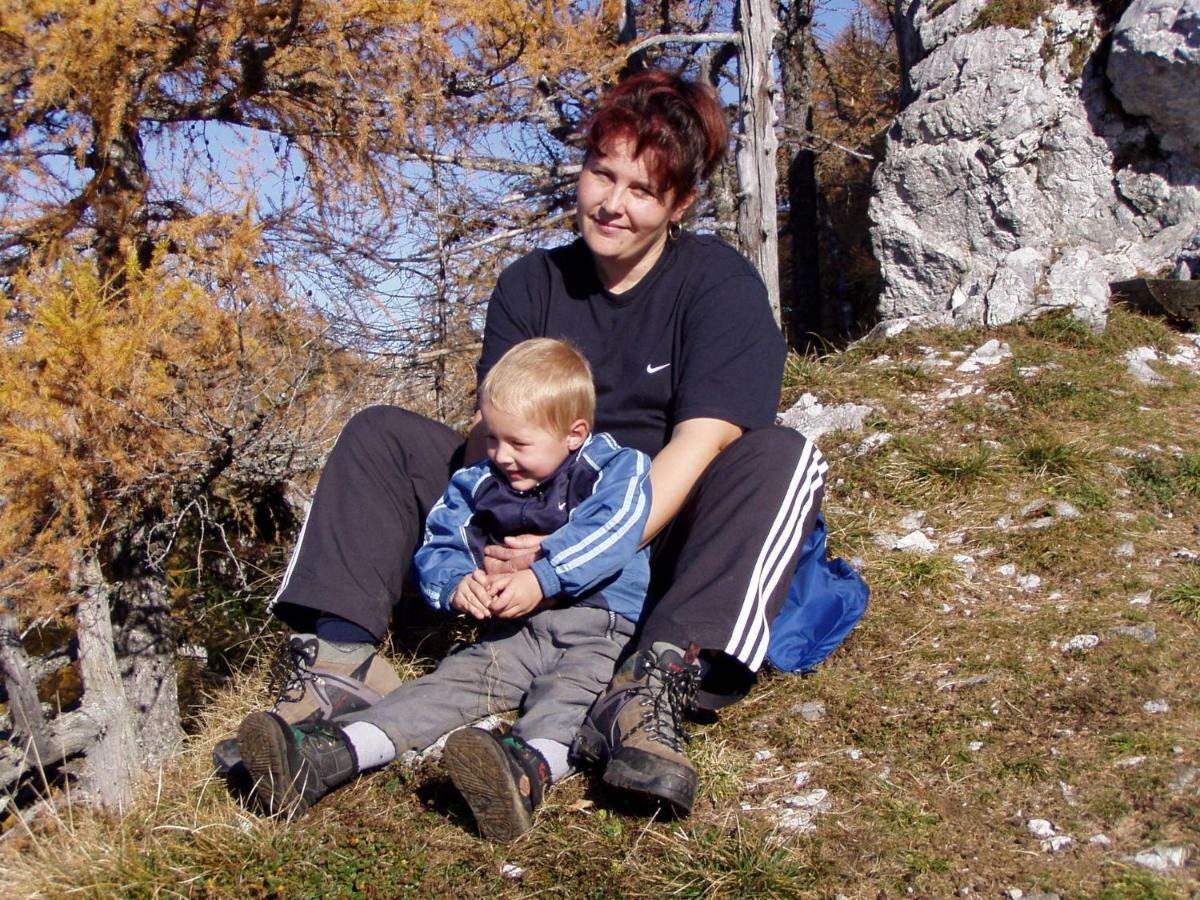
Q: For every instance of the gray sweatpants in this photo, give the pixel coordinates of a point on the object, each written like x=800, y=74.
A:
x=556, y=661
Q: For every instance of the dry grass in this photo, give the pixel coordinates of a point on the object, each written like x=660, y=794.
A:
x=953, y=716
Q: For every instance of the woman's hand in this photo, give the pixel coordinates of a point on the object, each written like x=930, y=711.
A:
x=516, y=554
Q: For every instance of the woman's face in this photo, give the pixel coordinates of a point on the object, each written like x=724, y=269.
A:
x=623, y=215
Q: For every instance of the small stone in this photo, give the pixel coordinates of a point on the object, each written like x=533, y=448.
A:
x=1145, y=633
x=967, y=562
x=1162, y=857
x=1125, y=551
x=854, y=753
x=1129, y=762
x=957, y=683
x=1156, y=707
x=1040, y=828
x=508, y=870
x=955, y=538
x=1080, y=643
x=975, y=746
x=1138, y=361
x=873, y=442
x=1008, y=570
x=1029, y=582
x=1184, y=778
x=1065, y=510
x=912, y=521
x=1014, y=894
x=1142, y=599
x=1057, y=844
x=1184, y=553
x=809, y=800
x=762, y=755
x=989, y=354
x=1100, y=840
x=916, y=542
x=802, y=778
x=811, y=710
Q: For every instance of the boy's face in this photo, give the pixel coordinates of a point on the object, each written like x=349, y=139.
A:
x=524, y=451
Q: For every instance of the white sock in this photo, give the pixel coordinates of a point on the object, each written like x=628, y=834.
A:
x=372, y=746
x=555, y=755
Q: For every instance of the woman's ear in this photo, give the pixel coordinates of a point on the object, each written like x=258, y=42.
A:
x=577, y=435
x=683, y=206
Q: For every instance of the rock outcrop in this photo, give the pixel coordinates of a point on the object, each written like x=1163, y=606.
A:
x=1017, y=179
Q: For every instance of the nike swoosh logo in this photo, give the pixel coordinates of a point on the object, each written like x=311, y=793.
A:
x=650, y=370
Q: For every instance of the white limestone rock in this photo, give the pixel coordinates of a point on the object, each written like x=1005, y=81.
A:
x=1012, y=184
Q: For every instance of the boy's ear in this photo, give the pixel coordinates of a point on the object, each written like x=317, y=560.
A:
x=578, y=434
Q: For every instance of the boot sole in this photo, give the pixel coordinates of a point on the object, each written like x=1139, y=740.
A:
x=676, y=787
x=480, y=771
x=266, y=755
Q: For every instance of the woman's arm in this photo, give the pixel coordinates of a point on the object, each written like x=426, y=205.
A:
x=678, y=466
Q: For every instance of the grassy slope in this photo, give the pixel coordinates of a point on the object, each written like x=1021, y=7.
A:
x=929, y=790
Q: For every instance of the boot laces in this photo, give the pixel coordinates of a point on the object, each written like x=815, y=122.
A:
x=669, y=698
x=290, y=672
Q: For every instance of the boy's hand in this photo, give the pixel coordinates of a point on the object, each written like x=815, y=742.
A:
x=473, y=596
x=516, y=595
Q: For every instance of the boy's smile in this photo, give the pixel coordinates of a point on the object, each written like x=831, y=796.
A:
x=524, y=451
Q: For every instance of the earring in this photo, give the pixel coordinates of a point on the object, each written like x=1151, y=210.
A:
x=674, y=230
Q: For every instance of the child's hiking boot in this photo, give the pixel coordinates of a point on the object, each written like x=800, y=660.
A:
x=312, y=678
x=502, y=780
x=294, y=766
x=636, y=727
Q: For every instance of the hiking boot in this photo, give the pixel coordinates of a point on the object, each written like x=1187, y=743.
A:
x=315, y=679
x=636, y=727
x=294, y=766
x=502, y=780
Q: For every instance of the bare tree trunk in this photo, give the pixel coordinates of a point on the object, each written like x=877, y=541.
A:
x=111, y=761
x=802, y=306
x=144, y=642
x=28, y=723
x=758, y=219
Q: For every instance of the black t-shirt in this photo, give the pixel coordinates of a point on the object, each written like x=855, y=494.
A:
x=694, y=338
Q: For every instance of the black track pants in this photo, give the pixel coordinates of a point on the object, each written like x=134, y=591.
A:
x=721, y=571
x=387, y=470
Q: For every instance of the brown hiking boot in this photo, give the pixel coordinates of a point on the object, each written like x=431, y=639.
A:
x=294, y=766
x=502, y=780
x=315, y=679
x=636, y=727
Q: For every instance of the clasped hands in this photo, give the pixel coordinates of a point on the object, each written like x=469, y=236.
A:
x=505, y=588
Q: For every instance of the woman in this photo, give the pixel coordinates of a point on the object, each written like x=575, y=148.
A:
x=687, y=361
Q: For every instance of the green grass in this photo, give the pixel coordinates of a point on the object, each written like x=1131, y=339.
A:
x=1184, y=596
x=929, y=788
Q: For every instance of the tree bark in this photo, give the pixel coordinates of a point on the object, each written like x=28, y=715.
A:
x=28, y=722
x=758, y=218
x=802, y=303
x=111, y=761
x=144, y=642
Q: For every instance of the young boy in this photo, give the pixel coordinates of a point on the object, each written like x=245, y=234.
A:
x=559, y=626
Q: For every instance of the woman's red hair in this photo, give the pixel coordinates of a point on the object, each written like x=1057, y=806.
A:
x=678, y=121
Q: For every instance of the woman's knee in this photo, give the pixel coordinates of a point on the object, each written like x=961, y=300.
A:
x=773, y=443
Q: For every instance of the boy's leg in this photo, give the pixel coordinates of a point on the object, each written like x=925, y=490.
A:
x=294, y=765
x=386, y=471
x=502, y=779
x=722, y=574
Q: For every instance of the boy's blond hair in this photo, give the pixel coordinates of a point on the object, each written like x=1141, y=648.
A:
x=544, y=380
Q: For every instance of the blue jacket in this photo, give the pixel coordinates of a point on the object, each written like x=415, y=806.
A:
x=594, y=509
